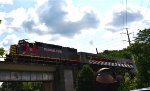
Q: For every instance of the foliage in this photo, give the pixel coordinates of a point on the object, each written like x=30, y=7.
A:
x=21, y=86
x=128, y=84
x=141, y=51
x=2, y=52
x=85, y=79
x=125, y=53
x=16, y=86
x=143, y=36
x=27, y=86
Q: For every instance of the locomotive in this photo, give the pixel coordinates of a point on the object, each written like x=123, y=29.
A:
x=26, y=51
x=39, y=51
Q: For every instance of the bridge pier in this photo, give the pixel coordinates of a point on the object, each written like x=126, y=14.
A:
x=64, y=78
x=59, y=79
x=48, y=86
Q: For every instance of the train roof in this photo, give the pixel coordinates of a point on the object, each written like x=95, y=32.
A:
x=41, y=43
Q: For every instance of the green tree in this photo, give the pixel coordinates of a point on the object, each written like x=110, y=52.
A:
x=127, y=84
x=85, y=79
x=2, y=52
x=27, y=86
x=141, y=51
x=21, y=86
x=16, y=86
x=124, y=53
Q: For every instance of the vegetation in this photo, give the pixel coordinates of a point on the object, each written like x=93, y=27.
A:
x=125, y=53
x=17, y=86
x=128, y=84
x=22, y=86
x=141, y=51
x=85, y=79
x=2, y=52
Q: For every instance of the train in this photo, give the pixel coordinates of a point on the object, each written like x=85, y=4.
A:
x=40, y=52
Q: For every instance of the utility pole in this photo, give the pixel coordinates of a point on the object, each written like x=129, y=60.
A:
x=128, y=36
x=129, y=41
x=131, y=72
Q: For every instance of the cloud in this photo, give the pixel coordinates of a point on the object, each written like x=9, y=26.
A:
x=91, y=42
x=147, y=23
x=119, y=19
x=9, y=40
x=53, y=15
x=9, y=5
x=6, y=2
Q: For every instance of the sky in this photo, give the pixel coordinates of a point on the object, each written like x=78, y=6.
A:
x=81, y=24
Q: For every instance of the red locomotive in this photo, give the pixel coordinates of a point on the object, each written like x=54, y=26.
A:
x=25, y=51
x=39, y=51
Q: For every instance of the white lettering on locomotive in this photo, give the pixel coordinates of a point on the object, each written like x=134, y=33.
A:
x=52, y=50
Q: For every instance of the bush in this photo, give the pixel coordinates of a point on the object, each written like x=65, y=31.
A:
x=85, y=79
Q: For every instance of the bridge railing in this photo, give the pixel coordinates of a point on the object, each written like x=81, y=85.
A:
x=114, y=64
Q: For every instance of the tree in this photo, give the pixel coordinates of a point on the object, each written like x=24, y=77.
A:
x=141, y=51
x=124, y=53
x=16, y=86
x=21, y=86
x=85, y=79
x=126, y=84
x=27, y=86
x=2, y=52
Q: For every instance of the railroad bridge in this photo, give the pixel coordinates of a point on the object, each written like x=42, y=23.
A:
x=55, y=77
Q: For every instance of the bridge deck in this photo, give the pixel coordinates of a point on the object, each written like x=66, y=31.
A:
x=26, y=67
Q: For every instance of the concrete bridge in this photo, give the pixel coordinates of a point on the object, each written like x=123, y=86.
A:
x=54, y=77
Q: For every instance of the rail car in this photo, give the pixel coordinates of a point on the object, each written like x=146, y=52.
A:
x=26, y=51
x=39, y=51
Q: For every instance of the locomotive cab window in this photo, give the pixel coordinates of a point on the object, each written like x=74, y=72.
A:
x=21, y=42
x=30, y=45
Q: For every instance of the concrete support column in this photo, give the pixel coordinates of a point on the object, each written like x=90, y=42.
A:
x=64, y=78
x=68, y=77
x=59, y=79
x=75, y=73
x=48, y=86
